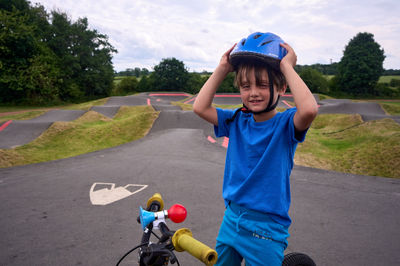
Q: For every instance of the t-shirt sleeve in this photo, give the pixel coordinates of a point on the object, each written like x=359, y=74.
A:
x=222, y=130
x=299, y=136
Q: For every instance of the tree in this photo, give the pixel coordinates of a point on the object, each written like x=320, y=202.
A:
x=137, y=72
x=85, y=57
x=391, y=72
x=10, y=5
x=144, y=71
x=361, y=66
x=228, y=84
x=43, y=60
x=28, y=71
x=170, y=75
x=329, y=69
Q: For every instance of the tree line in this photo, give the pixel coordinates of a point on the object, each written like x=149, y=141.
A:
x=130, y=72
x=356, y=75
x=170, y=74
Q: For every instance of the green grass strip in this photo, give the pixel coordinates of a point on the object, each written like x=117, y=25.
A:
x=344, y=143
x=89, y=133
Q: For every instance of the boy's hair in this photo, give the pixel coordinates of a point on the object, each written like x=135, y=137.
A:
x=244, y=68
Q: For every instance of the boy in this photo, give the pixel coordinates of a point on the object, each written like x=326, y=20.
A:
x=259, y=159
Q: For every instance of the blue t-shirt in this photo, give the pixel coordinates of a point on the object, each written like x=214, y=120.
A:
x=259, y=161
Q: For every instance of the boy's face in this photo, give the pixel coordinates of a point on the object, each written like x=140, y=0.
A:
x=255, y=95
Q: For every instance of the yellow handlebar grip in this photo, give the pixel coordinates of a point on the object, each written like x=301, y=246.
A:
x=184, y=241
x=156, y=197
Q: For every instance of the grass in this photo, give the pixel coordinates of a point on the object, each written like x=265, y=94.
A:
x=183, y=106
x=345, y=143
x=89, y=133
x=21, y=116
x=29, y=112
x=6, y=108
x=387, y=79
x=324, y=97
x=391, y=107
x=25, y=113
x=382, y=79
x=86, y=105
x=118, y=79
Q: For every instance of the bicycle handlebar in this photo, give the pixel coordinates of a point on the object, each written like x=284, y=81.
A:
x=161, y=253
x=183, y=241
x=156, y=199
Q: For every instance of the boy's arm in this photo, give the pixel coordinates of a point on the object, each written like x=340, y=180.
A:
x=203, y=104
x=307, y=107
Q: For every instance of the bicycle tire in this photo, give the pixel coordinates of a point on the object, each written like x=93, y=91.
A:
x=297, y=259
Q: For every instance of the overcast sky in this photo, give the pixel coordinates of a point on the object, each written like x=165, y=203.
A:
x=199, y=32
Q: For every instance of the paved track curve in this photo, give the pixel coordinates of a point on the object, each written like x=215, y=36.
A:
x=48, y=217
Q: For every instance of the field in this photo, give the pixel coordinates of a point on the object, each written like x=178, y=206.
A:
x=387, y=79
x=382, y=79
x=118, y=79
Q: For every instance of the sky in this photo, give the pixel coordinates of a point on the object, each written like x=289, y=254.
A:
x=199, y=32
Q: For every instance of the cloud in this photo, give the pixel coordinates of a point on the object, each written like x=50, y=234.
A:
x=199, y=32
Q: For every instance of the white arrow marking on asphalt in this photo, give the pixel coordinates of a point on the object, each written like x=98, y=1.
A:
x=112, y=194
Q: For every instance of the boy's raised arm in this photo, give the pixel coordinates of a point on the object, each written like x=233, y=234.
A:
x=306, y=104
x=203, y=104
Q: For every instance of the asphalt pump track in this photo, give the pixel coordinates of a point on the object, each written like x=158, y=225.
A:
x=49, y=216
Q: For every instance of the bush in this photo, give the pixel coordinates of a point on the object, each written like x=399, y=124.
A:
x=315, y=81
x=145, y=83
x=195, y=82
x=127, y=85
x=395, y=83
x=383, y=89
x=227, y=85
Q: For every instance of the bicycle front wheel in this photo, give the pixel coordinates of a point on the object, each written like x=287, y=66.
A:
x=297, y=259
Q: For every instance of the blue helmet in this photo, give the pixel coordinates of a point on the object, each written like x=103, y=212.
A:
x=259, y=46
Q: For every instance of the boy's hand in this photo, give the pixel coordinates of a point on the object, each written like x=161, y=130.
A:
x=224, y=63
x=290, y=58
x=202, y=106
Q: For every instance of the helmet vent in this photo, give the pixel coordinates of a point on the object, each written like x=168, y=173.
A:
x=257, y=36
x=243, y=42
x=267, y=42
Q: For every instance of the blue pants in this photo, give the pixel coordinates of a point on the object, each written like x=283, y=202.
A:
x=251, y=235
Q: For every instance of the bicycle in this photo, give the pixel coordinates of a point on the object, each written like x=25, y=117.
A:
x=162, y=252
